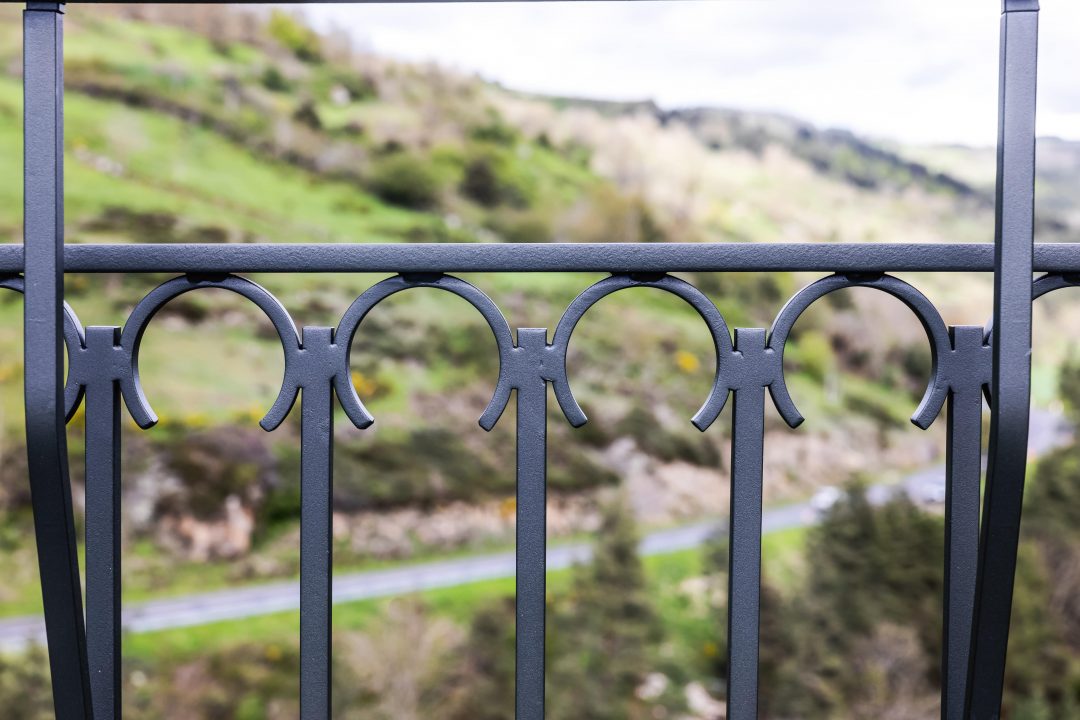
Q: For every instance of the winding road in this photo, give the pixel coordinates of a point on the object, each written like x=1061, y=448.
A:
x=1047, y=431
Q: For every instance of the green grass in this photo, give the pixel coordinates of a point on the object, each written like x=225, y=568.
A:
x=151, y=575
x=133, y=45
x=148, y=162
x=665, y=574
x=126, y=157
x=781, y=555
x=283, y=628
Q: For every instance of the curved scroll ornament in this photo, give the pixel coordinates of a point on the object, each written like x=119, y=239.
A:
x=1042, y=286
x=941, y=352
x=355, y=314
x=1053, y=281
x=156, y=299
x=725, y=354
x=74, y=339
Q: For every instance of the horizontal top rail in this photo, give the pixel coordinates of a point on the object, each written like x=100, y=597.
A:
x=1006, y=5
x=329, y=2
x=542, y=257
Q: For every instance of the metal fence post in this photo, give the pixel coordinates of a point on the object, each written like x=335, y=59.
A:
x=969, y=373
x=978, y=601
x=99, y=367
x=531, y=547
x=1011, y=379
x=43, y=247
x=316, y=531
x=750, y=376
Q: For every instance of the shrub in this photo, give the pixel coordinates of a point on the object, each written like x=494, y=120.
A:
x=388, y=671
x=1041, y=675
x=571, y=469
x=814, y=355
x=491, y=179
x=1069, y=386
x=25, y=689
x=654, y=438
x=522, y=226
x=306, y=114
x=872, y=567
x=294, y=36
x=604, y=637
x=359, y=86
x=14, y=487
x=213, y=465
x=607, y=632
x=480, y=685
x=614, y=217
x=423, y=468
x=281, y=504
x=496, y=131
x=436, y=230
x=776, y=645
x=747, y=298
x=405, y=180
x=1052, y=498
x=241, y=681
x=864, y=397
x=149, y=226
x=274, y=80
x=480, y=183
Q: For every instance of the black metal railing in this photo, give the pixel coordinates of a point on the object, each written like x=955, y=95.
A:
x=104, y=367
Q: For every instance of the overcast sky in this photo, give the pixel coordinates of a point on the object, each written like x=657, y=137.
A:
x=912, y=70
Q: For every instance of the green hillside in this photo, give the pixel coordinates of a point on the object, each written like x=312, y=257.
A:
x=215, y=125
x=206, y=124
x=210, y=124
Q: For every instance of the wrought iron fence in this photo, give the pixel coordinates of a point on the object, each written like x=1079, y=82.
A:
x=968, y=361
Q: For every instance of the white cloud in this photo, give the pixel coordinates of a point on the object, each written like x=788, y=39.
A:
x=915, y=70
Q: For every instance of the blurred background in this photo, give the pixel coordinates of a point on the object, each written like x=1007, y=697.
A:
x=678, y=122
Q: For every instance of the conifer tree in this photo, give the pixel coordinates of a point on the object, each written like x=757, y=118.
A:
x=603, y=638
x=481, y=684
x=866, y=567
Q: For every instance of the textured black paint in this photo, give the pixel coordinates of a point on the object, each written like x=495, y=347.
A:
x=46, y=444
x=104, y=364
x=1011, y=378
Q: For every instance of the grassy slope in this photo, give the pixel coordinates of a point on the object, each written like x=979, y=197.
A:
x=172, y=167
x=149, y=162
x=781, y=553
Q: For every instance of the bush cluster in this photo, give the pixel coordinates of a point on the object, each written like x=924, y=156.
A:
x=404, y=179
x=493, y=176
x=295, y=36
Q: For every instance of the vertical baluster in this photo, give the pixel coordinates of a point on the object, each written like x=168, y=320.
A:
x=316, y=490
x=744, y=574
x=103, y=520
x=963, y=463
x=46, y=445
x=1011, y=383
x=531, y=551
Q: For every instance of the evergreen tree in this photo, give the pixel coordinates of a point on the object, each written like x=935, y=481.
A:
x=481, y=684
x=867, y=567
x=1044, y=636
x=1052, y=497
x=1069, y=386
x=775, y=646
x=604, y=636
x=601, y=641
x=25, y=689
x=1042, y=677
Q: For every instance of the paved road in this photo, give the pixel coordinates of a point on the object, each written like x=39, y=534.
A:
x=233, y=604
